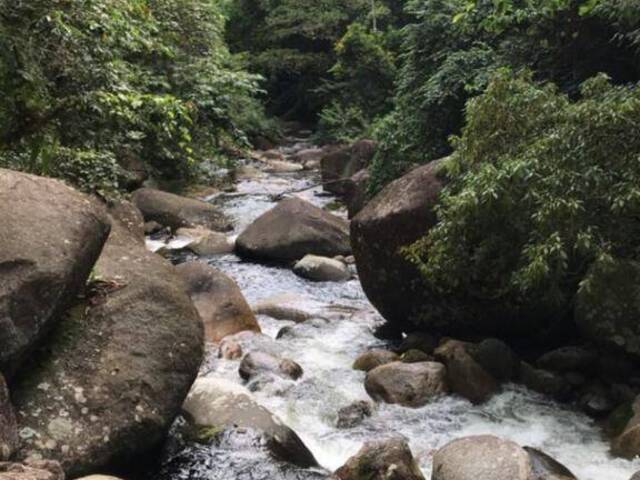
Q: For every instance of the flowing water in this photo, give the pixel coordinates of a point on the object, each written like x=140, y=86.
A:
x=326, y=348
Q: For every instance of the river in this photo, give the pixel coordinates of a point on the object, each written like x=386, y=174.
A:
x=326, y=350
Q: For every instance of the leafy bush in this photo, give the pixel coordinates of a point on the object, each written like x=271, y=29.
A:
x=540, y=188
x=453, y=47
x=361, y=85
x=114, y=79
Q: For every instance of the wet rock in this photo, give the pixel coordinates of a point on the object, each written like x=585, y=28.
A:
x=408, y=384
x=608, y=305
x=8, y=426
x=177, y=212
x=207, y=242
x=483, y=457
x=418, y=341
x=340, y=164
x=283, y=307
x=322, y=269
x=218, y=299
x=464, y=375
x=116, y=369
x=229, y=349
x=31, y=470
x=566, y=359
x=381, y=460
x=257, y=363
x=415, y=356
x=224, y=405
x=374, y=358
x=402, y=213
x=596, y=400
x=355, y=192
x=293, y=229
x=496, y=358
x=354, y=414
x=544, y=467
x=627, y=443
x=51, y=236
x=543, y=381
x=635, y=476
x=129, y=216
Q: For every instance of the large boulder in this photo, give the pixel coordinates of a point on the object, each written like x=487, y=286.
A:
x=465, y=376
x=482, y=457
x=51, y=236
x=402, y=213
x=486, y=457
x=219, y=301
x=407, y=384
x=116, y=369
x=381, y=460
x=322, y=269
x=8, y=426
x=293, y=229
x=608, y=305
x=176, y=212
x=339, y=165
x=31, y=470
x=224, y=406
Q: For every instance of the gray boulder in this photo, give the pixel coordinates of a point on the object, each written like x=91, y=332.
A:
x=482, y=457
x=116, y=369
x=408, y=384
x=381, y=460
x=226, y=406
x=51, y=236
x=464, y=375
x=176, y=212
x=291, y=230
x=260, y=363
x=354, y=414
x=8, y=426
x=322, y=269
x=219, y=301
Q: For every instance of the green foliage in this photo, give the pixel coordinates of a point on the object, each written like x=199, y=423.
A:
x=540, y=188
x=292, y=44
x=454, y=46
x=86, y=83
x=361, y=85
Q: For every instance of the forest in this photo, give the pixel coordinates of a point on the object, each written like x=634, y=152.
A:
x=456, y=183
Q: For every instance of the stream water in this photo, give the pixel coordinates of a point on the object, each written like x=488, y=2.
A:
x=326, y=350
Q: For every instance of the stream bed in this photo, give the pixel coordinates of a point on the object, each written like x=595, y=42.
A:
x=326, y=350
